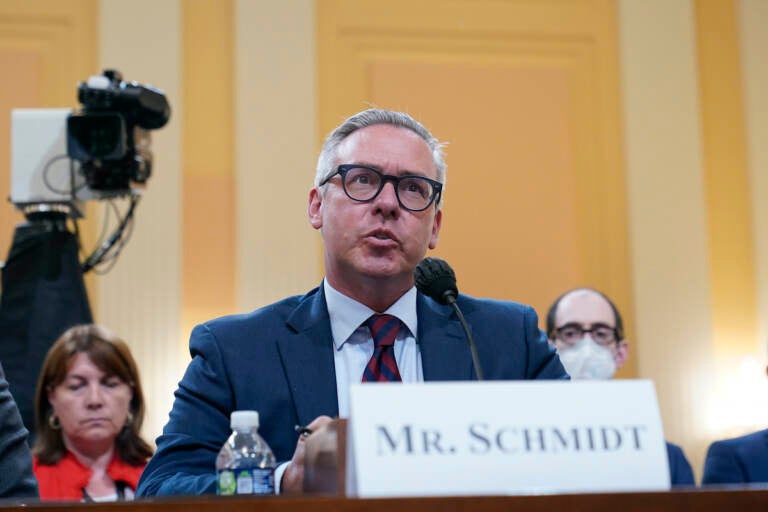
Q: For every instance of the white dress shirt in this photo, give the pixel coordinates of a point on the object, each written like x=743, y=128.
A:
x=353, y=345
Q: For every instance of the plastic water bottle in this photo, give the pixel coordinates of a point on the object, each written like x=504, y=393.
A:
x=245, y=464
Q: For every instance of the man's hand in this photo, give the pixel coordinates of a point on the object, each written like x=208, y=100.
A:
x=293, y=478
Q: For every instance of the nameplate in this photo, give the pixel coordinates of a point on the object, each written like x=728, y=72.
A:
x=499, y=438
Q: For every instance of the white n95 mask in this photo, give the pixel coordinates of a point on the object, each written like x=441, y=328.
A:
x=588, y=360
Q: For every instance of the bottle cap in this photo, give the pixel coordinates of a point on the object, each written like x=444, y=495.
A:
x=243, y=420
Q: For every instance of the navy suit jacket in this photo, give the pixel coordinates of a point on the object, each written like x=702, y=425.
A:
x=16, y=477
x=680, y=472
x=740, y=460
x=279, y=361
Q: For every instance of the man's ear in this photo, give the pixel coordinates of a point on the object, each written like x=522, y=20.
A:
x=436, y=223
x=622, y=353
x=314, y=208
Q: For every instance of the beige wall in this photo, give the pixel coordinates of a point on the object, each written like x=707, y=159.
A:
x=276, y=148
x=140, y=297
x=753, y=15
x=667, y=210
x=706, y=384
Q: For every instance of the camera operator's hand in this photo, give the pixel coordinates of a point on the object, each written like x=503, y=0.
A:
x=293, y=477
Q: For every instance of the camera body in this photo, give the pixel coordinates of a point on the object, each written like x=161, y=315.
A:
x=109, y=137
x=110, y=134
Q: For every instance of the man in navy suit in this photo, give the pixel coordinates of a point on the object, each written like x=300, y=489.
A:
x=586, y=328
x=294, y=361
x=741, y=460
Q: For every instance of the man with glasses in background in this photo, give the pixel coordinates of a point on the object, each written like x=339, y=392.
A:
x=377, y=201
x=587, y=330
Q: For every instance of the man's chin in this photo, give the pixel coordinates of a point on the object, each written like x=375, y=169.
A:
x=381, y=269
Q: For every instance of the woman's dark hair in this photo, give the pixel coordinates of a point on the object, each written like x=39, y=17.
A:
x=112, y=356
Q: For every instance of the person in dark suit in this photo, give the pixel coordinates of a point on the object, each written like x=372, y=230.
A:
x=741, y=460
x=294, y=361
x=16, y=477
x=587, y=329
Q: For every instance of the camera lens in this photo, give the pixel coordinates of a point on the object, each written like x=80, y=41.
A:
x=96, y=136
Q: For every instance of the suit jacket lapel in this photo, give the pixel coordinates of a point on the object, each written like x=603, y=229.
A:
x=444, y=350
x=307, y=359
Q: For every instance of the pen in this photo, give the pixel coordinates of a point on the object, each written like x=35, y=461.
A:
x=302, y=431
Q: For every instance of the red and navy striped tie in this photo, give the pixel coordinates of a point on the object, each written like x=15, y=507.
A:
x=382, y=367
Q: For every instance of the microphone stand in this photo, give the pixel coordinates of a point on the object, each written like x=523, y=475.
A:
x=472, y=347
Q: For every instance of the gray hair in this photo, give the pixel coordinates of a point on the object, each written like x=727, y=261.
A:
x=326, y=162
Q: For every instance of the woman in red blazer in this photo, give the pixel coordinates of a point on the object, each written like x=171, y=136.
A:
x=89, y=408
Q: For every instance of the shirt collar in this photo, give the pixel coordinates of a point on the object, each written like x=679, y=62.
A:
x=347, y=314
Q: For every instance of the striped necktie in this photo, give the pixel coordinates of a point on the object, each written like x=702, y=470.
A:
x=382, y=367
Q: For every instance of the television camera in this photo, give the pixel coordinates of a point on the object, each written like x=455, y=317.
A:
x=60, y=159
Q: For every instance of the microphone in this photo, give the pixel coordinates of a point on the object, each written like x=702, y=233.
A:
x=436, y=279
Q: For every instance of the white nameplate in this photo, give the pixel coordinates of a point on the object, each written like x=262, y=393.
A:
x=497, y=438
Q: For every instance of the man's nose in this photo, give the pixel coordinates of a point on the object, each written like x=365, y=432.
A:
x=387, y=198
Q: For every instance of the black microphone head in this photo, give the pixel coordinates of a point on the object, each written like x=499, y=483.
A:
x=435, y=279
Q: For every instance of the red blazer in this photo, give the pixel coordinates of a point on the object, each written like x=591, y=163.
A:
x=65, y=480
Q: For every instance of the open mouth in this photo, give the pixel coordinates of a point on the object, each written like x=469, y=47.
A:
x=382, y=234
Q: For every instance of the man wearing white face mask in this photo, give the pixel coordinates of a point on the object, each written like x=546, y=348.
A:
x=586, y=329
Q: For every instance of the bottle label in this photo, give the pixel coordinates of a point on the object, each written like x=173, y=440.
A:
x=226, y=482
x=246, y=481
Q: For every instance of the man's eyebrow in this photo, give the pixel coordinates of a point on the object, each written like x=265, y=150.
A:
x=582, y=325
x=400, y=172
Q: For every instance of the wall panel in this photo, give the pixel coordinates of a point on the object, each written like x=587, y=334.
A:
x=208, y=201
x=753, y=18
x=726, y=179
x=526, y=94
x=276, y=149
x=140, y=298
x=668, y=213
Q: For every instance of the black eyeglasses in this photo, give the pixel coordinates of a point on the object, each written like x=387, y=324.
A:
x=602, y=334
x=363, y=184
